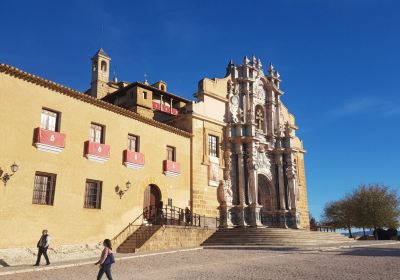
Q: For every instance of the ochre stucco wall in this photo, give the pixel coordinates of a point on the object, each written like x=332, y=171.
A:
x=67, y=221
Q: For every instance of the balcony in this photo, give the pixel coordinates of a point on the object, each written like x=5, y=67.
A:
x=164, y=108
x=171, y=168
x=97, y=152
x=156, y=105
x=49, y=141
x=133, y=160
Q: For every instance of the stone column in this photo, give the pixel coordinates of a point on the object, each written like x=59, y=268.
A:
x=253, y=209
x=279, y=164
x=239, y=208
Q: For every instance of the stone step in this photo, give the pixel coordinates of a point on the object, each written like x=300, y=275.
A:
x=272, y=237
x=279, y=236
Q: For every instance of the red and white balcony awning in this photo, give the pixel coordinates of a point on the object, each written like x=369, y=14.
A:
x=171, y=168
x=133, y=160
x=49, y=141
x=97, y=152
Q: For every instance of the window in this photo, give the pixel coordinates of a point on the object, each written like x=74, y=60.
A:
x=96, y=133
x=103, y=65
x=93, y=194
x=213, y=145
x=49, y=120
x=133, y=143
x=43, y=190
x=144, y=94
x=170, y=153
x=162, y=87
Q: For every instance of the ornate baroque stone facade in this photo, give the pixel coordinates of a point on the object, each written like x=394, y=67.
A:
x=260, y=185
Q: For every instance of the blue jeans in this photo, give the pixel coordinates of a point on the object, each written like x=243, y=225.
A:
x=105, y=269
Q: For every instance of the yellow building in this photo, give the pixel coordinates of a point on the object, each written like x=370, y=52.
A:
x=89, y=163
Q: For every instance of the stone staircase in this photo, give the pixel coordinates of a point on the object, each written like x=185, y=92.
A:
x=272, y=237
x=138, y=238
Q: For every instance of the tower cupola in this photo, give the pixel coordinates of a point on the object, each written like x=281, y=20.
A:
x=100, y=74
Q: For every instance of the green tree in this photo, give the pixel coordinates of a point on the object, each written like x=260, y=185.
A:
x=376, y=206
x=340, y=214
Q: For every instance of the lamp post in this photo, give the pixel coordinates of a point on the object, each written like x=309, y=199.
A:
x=6, y=176
x=120, y=192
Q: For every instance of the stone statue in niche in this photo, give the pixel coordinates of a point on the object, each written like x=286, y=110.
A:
x=292, y=185
x=234, y=108
x=288, y=129
x=228, y=164
x=224, y=193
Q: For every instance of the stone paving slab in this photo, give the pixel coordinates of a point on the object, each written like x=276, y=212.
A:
x=363, y=260
x=87, y=261
x=370, y=261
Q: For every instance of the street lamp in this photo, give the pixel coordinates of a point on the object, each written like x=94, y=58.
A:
x=7, y=176
x=119, y=191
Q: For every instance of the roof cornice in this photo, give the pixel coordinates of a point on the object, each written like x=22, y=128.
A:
x=20, y=74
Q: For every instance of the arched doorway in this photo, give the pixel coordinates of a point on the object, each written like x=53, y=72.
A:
x=267, y=199
x=152, y=204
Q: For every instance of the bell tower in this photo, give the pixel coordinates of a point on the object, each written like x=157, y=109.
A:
x=100, y=74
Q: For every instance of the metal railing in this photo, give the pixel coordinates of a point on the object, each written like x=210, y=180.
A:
x=172, y=215
x=127, y=231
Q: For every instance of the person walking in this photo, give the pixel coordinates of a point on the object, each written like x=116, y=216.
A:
x=106, y=260
x=43, y=245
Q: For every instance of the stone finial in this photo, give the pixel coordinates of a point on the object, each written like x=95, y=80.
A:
x=145, y=82
x=271, y=69
x=246, y=60
x=259, y=63
x=254, y=59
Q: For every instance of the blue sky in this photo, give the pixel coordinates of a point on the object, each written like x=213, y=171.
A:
x=339, y=61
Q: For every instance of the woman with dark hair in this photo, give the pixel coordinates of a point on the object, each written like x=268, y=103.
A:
x=106, y=260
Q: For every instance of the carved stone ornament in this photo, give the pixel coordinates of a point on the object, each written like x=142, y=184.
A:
x=259, y=91
x=230, y=87
x=263, y=161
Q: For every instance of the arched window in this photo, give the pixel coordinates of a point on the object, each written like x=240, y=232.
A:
x=162, y=87
x=103, y=65
x=259, y=118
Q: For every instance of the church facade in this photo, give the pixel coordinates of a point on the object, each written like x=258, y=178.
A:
x=90, y=162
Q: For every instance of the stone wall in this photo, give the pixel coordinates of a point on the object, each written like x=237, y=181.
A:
x=303, y=201
x=173, y=237
x=21, y=256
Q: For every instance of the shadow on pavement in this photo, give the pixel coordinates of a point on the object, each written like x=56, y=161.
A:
x=3, y=263
x=373, y=252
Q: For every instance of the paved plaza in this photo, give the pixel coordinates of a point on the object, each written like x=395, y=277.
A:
x=376, y=262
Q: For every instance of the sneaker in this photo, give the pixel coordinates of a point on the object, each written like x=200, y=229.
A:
x=48, y=263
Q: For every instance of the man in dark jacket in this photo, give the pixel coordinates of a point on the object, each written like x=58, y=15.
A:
x=43, y=245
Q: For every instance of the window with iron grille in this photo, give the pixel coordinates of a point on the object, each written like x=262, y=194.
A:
x=171, y=153
x=96, y=133
x=93, y=194
x=49, y=120
x=44, y=188
x=213, y=145
x=133, y=143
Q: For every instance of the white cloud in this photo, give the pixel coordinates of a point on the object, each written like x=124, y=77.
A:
x=367, y=105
